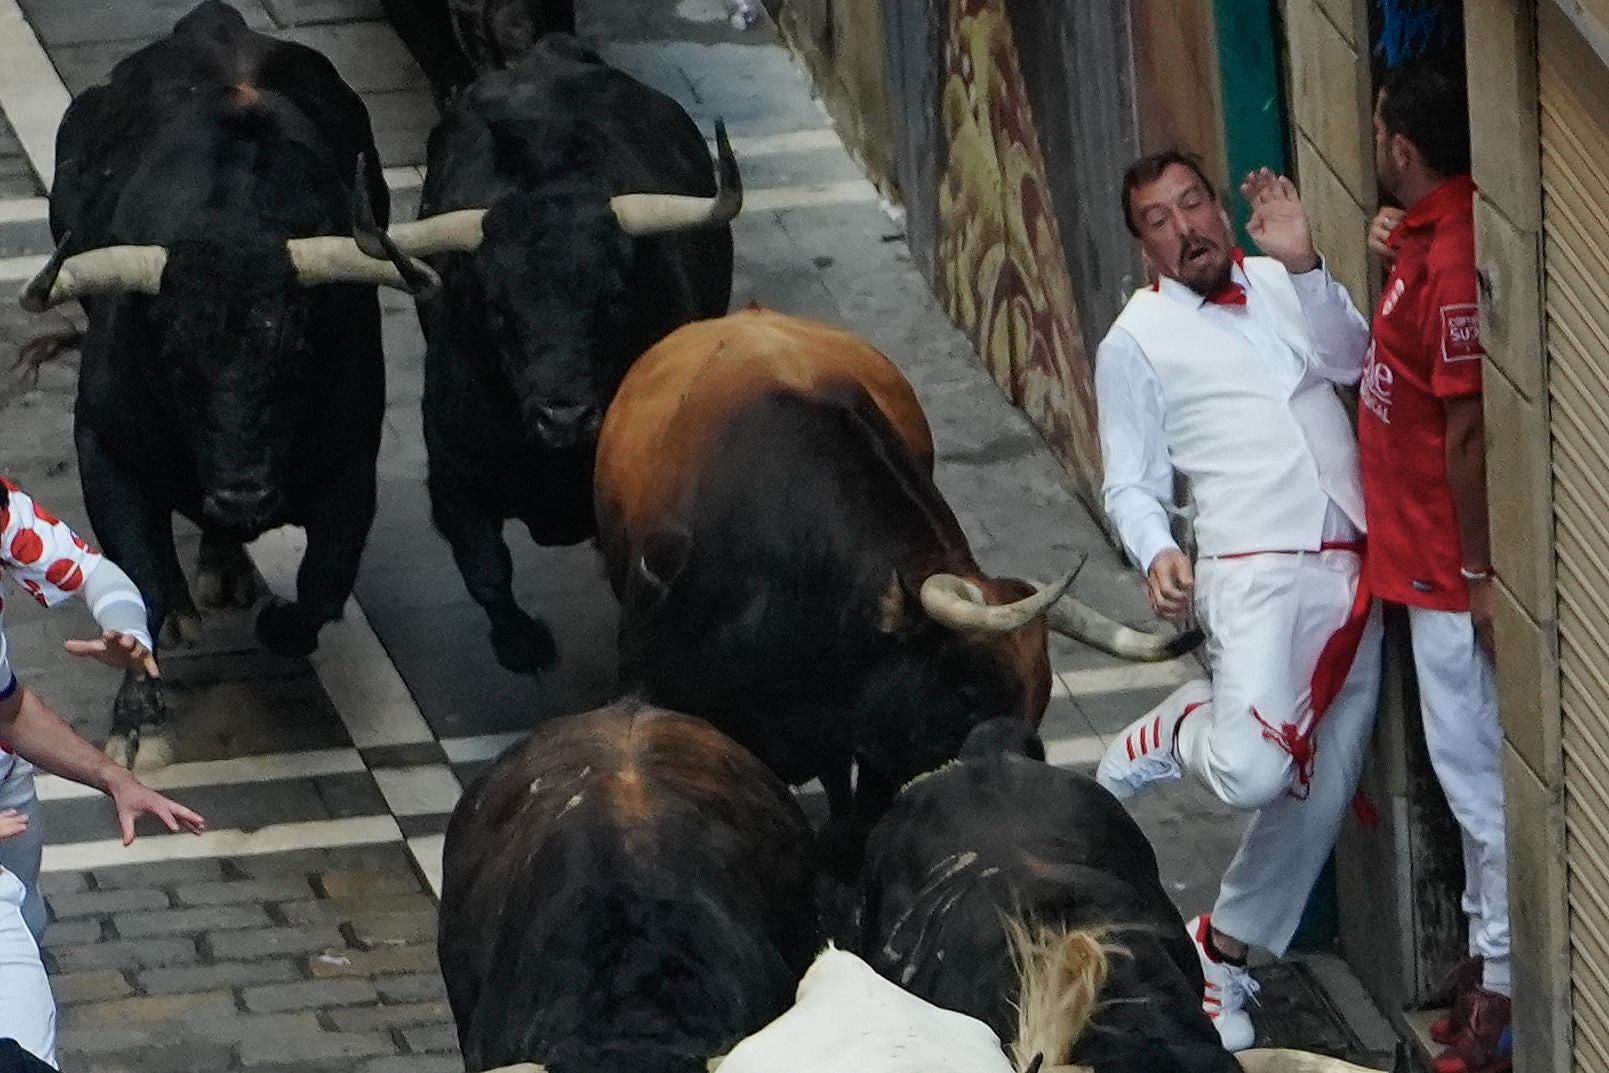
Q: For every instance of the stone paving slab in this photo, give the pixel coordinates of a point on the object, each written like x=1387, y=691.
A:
x=16, y=174
x=281, y=961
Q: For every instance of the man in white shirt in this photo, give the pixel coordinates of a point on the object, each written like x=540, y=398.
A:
x=1225, y=370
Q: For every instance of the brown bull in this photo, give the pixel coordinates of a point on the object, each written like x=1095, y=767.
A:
x=788, y=569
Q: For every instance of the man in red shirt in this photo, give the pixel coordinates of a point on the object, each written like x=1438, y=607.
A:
x=1422, y=442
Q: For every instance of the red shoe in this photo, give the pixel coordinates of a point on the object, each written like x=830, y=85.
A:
x=1455, y=993
x=1486, y=1045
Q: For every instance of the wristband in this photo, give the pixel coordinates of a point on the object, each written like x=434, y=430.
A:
x=1477, y=575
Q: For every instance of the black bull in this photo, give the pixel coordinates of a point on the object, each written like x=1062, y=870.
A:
x=232, y=368
x=575, y=219
x=627, y=891
x=1002, y=835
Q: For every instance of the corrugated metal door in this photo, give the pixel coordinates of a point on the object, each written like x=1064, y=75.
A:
x=1575, y=190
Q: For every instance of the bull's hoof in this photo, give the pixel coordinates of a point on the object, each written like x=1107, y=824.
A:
x=228, y=584
x=143, y=751
x=181, y=629
x=156, y=749
x=284, y=631
x=120, y=749
x=524, y=645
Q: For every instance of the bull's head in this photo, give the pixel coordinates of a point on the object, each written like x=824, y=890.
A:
x=552, y=267
x=233, y=340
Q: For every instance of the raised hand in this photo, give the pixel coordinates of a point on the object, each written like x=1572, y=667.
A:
x=1279, y=222
x=1385, y=221
x=117, y=650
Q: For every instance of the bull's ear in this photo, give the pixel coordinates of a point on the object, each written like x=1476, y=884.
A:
x=898, y=606
x=661, y=561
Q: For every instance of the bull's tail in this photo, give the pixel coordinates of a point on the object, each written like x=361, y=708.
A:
x=1060, y=972
x=47, y=348
x=1083, y=623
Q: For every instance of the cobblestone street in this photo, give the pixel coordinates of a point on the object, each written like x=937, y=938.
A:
x=298, y=933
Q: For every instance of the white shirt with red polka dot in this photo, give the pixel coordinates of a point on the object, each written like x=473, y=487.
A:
x=51, y=562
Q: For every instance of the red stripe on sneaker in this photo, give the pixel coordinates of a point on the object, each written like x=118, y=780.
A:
x=1129, y=744
x=1156, y=733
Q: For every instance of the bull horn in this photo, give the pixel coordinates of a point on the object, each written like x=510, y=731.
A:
x=418, y=278
x=658, y=214
x=1075, y=619
x=451, y=232
x=109, y=270
x=953, y=601
x=337, y=259
x=1281, y=1060
x=522, y=1067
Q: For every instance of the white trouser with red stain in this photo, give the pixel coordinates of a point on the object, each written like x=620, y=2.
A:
x=1267, y=619
x=1458, y=699
x=27, y=1009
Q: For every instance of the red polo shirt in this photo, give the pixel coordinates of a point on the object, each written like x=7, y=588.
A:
x=1426, y=348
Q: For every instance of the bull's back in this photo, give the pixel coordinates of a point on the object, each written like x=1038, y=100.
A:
x=679, y=396
x=616, y=851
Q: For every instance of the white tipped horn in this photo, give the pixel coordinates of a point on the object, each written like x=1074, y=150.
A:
x=337, y=259
x=1075, y=619
x=658, y=214
x=1281, y=1060
x=953, y=601
x=523, y=1067
x=109, y=270
x=451, y=232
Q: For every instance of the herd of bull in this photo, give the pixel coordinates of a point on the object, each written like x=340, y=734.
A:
x=631, y=888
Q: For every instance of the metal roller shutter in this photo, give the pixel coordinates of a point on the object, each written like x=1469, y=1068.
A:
x=1575, y=189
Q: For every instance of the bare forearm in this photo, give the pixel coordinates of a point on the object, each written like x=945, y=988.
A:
x=43, y=738
x=1466, y=474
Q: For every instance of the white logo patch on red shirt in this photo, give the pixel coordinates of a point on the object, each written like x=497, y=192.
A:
x=1460, y=332
x=1374, y=391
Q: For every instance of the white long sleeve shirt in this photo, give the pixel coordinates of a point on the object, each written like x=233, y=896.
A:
x=1130, y=408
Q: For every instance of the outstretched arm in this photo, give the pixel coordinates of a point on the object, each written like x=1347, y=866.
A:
x=1282, y=230
x=37, y=734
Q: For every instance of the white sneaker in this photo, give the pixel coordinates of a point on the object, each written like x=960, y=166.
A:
x=1228, y=988
x=1144, y=753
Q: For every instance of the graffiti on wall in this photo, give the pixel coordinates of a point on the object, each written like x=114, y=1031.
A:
x=1002, y=270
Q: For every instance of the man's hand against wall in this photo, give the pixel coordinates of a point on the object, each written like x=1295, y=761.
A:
x=1279, y=223
x=1171, y=584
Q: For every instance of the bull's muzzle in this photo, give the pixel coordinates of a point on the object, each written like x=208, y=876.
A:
x=564, y=426
x=246, y=506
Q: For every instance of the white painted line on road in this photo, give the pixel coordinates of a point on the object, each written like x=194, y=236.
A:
x=427, y=790
x=24, y=210
x=403, y=178
x=1074, y=752
x=231, y=842
x=20, y=269
x=31, y=92
x=479, y=747
x=240, y=771
x=366, y=689
x=1099, y=681
x=792, y=141
x=363, y=684
x=772, y=199
x=426, y=850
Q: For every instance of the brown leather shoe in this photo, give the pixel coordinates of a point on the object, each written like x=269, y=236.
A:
x=1485, y=1045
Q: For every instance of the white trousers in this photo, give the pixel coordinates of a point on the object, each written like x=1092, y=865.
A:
x=1458, y=700
x=21, y=854
x=27, y=1008
x=1267, y=618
